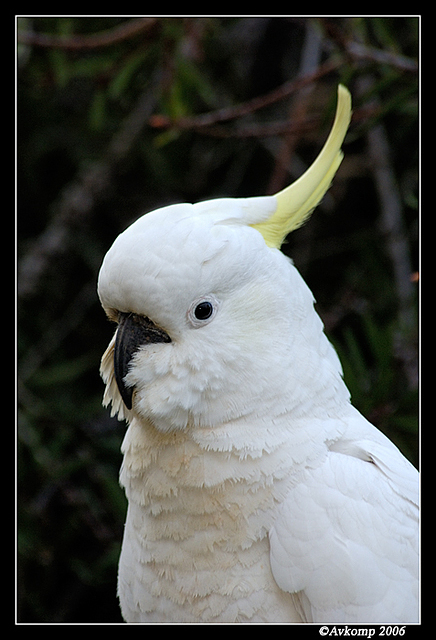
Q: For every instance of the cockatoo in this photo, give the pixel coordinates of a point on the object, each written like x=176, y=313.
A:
x=256, y=491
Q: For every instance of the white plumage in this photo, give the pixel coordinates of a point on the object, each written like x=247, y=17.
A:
x=257, y=493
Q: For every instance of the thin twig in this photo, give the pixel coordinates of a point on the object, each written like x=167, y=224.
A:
x=276, y=128
x=361, y=52
x=246, y=108
x=262, y=130
x=93, y=41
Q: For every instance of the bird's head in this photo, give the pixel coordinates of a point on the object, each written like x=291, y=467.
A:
x=213, y=320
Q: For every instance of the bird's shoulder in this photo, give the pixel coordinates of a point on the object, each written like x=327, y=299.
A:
x=347, y=533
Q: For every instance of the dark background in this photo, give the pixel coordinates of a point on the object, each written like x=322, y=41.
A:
x=118, y=116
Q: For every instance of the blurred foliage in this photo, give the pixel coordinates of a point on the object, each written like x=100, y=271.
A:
x=117, y=116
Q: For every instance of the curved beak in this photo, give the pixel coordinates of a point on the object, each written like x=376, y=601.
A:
x=133, y=332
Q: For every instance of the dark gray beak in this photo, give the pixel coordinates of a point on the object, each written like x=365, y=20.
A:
x=133, y=332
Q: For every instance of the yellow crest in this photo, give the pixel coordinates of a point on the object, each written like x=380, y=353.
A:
x=296, y=202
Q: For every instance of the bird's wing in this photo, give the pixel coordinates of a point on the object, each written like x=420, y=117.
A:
x=346, y=539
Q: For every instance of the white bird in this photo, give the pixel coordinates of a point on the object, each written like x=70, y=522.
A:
x=256, y=491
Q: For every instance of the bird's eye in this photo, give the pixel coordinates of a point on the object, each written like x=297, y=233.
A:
x=203, y=310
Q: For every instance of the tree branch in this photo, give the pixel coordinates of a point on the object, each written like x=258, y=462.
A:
x=397, y=248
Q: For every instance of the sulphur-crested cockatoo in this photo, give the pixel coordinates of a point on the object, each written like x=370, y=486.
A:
x=256, y=492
